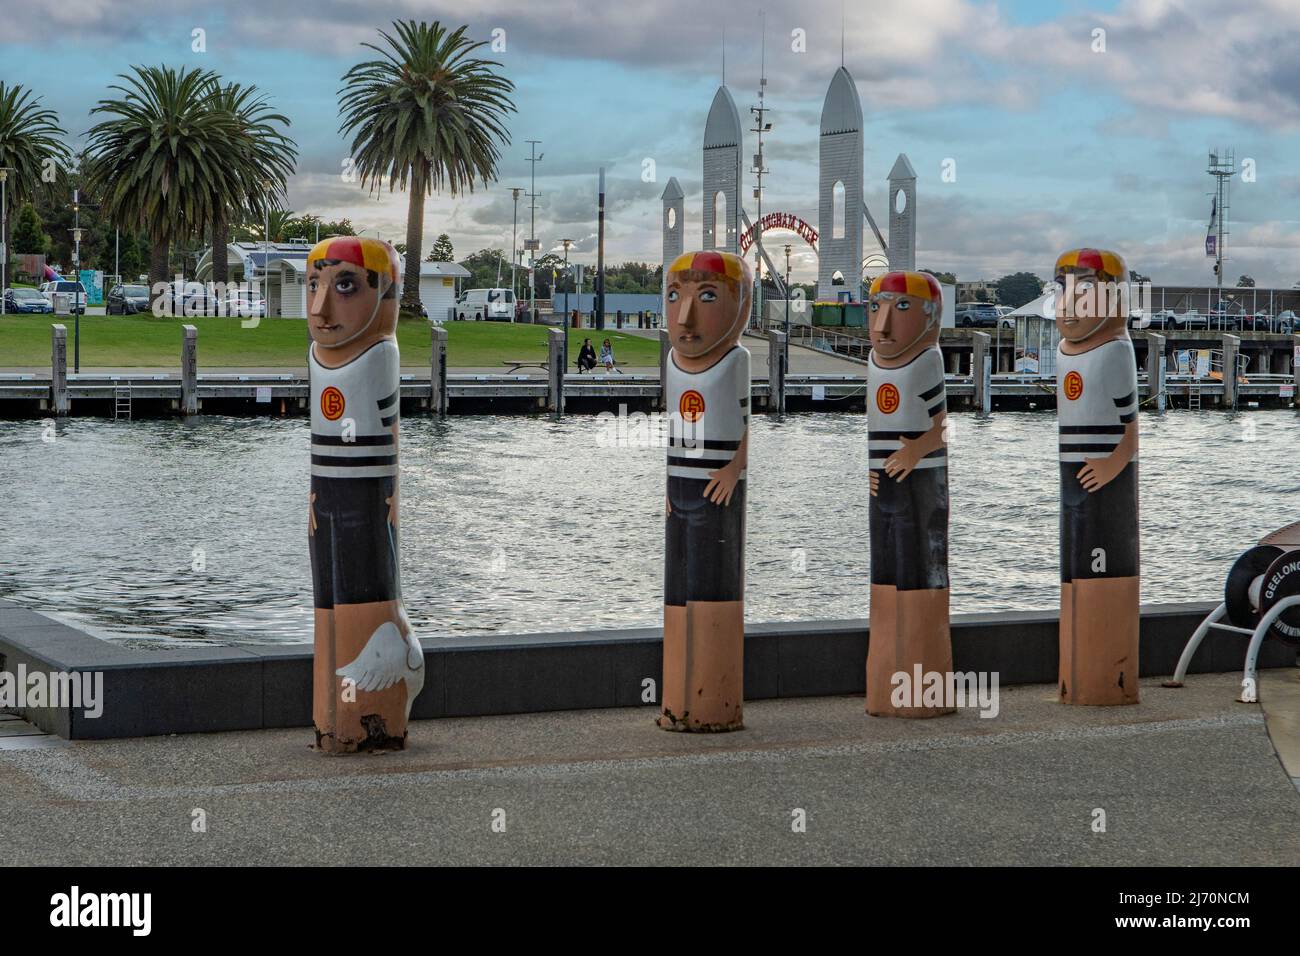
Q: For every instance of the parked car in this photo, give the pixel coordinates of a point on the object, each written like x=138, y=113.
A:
x=486, y=304
x=1004, y=316
x=1286, y=321
x=127, y=299
x=63, y=285
x=26, y=300
x=977, y=315
x=243, y=303
x=1191, y=320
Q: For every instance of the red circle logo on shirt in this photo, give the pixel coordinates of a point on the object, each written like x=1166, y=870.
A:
x=1073, y=386
x=332, y=404
x=887, y=398
x=691, y=406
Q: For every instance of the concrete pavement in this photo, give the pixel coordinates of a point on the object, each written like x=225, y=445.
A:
x=1187, y=777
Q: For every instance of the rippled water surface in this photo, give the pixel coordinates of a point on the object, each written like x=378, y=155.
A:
x=515, y=524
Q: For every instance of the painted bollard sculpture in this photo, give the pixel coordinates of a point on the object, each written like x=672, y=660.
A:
x=1096, y=401
x=908, y=517
x=368, y=667
x=707, y=392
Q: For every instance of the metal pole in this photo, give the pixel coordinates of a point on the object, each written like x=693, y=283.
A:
x=785, y=343
x=600, y=253
x=117, y=254
x=4, y=238
x=533, y=160
x=514, y=245
x=76, y=267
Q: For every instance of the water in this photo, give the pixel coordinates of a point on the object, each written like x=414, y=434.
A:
x=514, y=524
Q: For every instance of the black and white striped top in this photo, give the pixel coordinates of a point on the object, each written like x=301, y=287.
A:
x=353, y=411
x=708, y=414
x=902, y=403
x=1096, y=398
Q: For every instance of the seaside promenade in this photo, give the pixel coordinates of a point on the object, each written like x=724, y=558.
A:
x=1188, y=777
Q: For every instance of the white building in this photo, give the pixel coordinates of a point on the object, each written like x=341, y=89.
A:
x=280, y=268
x=438, y=281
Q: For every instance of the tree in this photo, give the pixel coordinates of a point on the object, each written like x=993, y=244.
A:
x=29, y=237
x=1018, y=288
x=1245, y=282
x=162, y=160
x=31, y=143
x=262, y=158
x=428, y=114
x=442, y=250
x=484, y=267
x=947, y=278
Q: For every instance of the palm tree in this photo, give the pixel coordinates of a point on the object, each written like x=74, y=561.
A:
x=428, y=114
x=162, y=162
x=265, y=159
x=30, y=137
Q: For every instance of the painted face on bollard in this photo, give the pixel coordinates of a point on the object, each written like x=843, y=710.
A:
x=904, y=312
x=1091, y=295
x=351, y=291
x=707, y=303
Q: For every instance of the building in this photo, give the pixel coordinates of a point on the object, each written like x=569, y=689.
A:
x=279, y=268
x=980, y=290
x=439, y=283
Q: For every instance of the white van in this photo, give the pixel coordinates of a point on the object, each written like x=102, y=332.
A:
x=492, y=305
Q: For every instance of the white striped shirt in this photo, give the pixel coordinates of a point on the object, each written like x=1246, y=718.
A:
x=353, y=410
x=708, y=414
x=902, y=403
x=1096, y=398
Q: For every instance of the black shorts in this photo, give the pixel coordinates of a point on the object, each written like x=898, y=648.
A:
x=354, y=550
x=704, y=552
x=1106, y=519
x=909, y=530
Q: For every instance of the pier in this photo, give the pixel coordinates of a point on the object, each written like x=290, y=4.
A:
x=827, y=373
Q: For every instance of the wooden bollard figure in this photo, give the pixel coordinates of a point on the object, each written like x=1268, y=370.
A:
x=707, y=396
x=909, y=655
x=1097, y=406
x=368, y=666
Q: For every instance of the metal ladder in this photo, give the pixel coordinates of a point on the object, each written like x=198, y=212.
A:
x=1194, y=396
x=121, y=401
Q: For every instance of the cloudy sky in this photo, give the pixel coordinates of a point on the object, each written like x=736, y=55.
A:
x=1058, y=134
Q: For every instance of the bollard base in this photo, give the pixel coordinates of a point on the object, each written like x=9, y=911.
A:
x=377, y=739
x=671, y=722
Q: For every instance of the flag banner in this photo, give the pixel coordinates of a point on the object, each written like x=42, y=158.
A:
x=1211, y=245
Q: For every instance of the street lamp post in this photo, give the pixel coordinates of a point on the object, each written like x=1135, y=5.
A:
x=533, y=160
x=567, y=244
x=76, y=271
x=787, y=305
x=514, y=242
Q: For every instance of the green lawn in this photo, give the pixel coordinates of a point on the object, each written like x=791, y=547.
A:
x=110, y=341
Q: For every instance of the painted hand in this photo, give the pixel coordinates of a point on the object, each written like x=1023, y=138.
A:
x=722, y=484
x=392, y=510
x=311, y=514
x=875, y=483
x=900, y=464
x=668, y=506
x=1098, y=473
